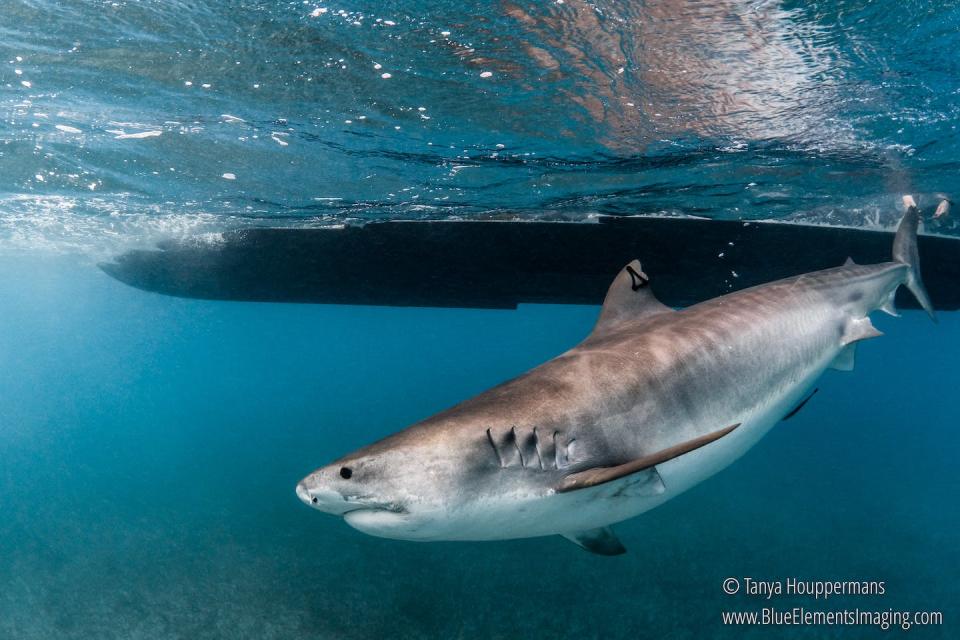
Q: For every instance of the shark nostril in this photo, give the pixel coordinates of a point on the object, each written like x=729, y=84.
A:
x=314, y=500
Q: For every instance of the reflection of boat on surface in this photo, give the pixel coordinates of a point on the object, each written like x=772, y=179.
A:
x=498, y=264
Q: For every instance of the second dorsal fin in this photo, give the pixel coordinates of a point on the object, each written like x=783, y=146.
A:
x=629, y=298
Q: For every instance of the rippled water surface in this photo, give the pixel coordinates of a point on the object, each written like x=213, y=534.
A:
x=167, y=118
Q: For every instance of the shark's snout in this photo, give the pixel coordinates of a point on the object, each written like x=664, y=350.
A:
x=304, y=494
x=323, y=498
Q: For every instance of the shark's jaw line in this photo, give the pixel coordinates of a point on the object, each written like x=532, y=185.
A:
x=387, y=508
x=651, y=403
x=342, y=505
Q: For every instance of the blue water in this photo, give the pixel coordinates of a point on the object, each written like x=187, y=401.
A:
x=149, y=446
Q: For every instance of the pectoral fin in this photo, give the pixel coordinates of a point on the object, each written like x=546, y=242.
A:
x=603, y=541
x=600, y=475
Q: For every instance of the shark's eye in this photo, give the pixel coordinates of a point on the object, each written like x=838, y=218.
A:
x=346, y=472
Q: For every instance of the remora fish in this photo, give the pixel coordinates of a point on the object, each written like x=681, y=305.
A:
x=652, y=402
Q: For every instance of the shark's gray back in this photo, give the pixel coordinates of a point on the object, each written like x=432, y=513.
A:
x=649, y=381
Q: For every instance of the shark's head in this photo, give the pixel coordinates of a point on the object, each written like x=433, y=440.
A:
x=362, y=490
x=423, y=485
x=392, y=489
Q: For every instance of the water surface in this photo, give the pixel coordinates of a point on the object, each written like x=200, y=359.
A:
x=124, y=121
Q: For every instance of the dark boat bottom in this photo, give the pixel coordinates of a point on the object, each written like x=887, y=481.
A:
x=493, y=264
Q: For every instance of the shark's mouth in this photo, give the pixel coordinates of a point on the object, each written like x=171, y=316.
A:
x=388, y=507
x=335, y=503
x=368, y=502
x=379, y=521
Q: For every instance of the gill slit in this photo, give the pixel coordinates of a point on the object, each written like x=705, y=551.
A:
x=516, y=443
x=495, y=449
x=536, y=446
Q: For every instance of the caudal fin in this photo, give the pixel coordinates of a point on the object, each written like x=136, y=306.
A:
x=905, y=252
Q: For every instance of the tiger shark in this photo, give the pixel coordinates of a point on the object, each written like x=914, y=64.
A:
x=652, y=402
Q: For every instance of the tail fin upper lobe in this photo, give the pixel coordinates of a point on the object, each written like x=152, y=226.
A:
x=905, y=252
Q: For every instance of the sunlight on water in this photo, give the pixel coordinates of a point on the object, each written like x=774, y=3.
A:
x=725, y=108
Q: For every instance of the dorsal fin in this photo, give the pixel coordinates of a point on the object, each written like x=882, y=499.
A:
x=849, y=262
x=629, y=298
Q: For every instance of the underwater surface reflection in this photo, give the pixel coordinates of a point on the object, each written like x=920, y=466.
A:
x=123, y=122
